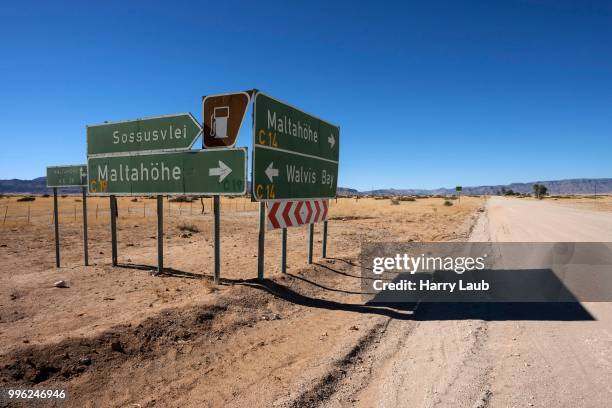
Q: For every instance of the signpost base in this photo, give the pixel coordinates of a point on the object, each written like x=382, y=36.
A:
x=113, y=217
x=217, y=276
x=56, y=222
x=85, y=246
x=310, y=242
x=262, y=241
x=160, y=234
x=284, y=250
x=324, y=249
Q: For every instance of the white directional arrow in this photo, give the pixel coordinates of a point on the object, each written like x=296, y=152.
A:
x=271, y=172
x=222, y=171
x=332, y=141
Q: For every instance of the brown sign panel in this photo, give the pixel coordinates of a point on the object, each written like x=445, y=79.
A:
x=223, y=115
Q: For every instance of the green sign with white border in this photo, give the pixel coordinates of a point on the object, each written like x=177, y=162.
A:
x=67, y=176
x=201, y=172
x=295, y=154
x=160, y=133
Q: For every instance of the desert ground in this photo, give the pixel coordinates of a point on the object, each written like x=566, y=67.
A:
x=123, y=337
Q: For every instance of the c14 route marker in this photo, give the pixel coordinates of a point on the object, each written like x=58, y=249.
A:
x=211, y=172
x=295, y=154
x=67, y=176
x=155, y=134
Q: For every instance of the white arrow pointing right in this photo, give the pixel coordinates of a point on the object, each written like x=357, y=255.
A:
x=271, y=172
x=222, y=171
x=332, y=141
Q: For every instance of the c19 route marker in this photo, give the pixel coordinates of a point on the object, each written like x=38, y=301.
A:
x=283, y=214
x=223, y=115
x=295, y=154
x=67, y=176
x=155, y=134
x=210, y=172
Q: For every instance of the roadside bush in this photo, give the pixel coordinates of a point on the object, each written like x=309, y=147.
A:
x=395, y=201
x=407, y=199
x=46, y=195
x=26, y=198
x=181, y=199
x=188, y=227
x=448, y=203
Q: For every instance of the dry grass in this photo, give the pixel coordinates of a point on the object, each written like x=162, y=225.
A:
x=590, y=202
x=143, y=212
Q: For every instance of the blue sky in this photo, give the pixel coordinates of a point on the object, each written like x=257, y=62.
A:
x=427, y=94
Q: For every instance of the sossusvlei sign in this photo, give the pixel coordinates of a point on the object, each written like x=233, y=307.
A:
x=159, y=133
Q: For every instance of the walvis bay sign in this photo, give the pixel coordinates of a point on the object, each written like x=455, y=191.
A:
x=160, y=133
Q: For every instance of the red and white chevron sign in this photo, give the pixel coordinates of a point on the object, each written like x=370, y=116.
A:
x=283, y=214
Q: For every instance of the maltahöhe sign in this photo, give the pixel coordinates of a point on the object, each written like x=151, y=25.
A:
x=210, y=172
x=67, y=176
x=161, y=133
x=295, y=155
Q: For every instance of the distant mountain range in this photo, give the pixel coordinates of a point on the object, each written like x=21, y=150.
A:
x=570, y=186
x=555, y=187
x=35, y=186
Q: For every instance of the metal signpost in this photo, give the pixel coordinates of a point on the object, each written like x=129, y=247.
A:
x=295, y=157
x=458, y=189
x=202, y=172
x=68, y=176
x=223, y=115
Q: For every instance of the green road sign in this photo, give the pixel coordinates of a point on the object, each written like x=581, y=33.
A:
x=458, y=188
x=67, y=176
x=295, y=155
x=161, y=133
x=212, y=172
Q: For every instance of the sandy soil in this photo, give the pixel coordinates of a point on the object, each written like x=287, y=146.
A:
x=122, y=337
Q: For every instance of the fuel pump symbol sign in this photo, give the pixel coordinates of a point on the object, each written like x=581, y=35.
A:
x=219, y=122
x=223, y=116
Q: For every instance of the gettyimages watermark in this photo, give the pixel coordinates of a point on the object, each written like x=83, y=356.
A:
x=486, y=272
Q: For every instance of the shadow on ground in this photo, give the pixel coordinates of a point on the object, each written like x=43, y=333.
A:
x=422, y=311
